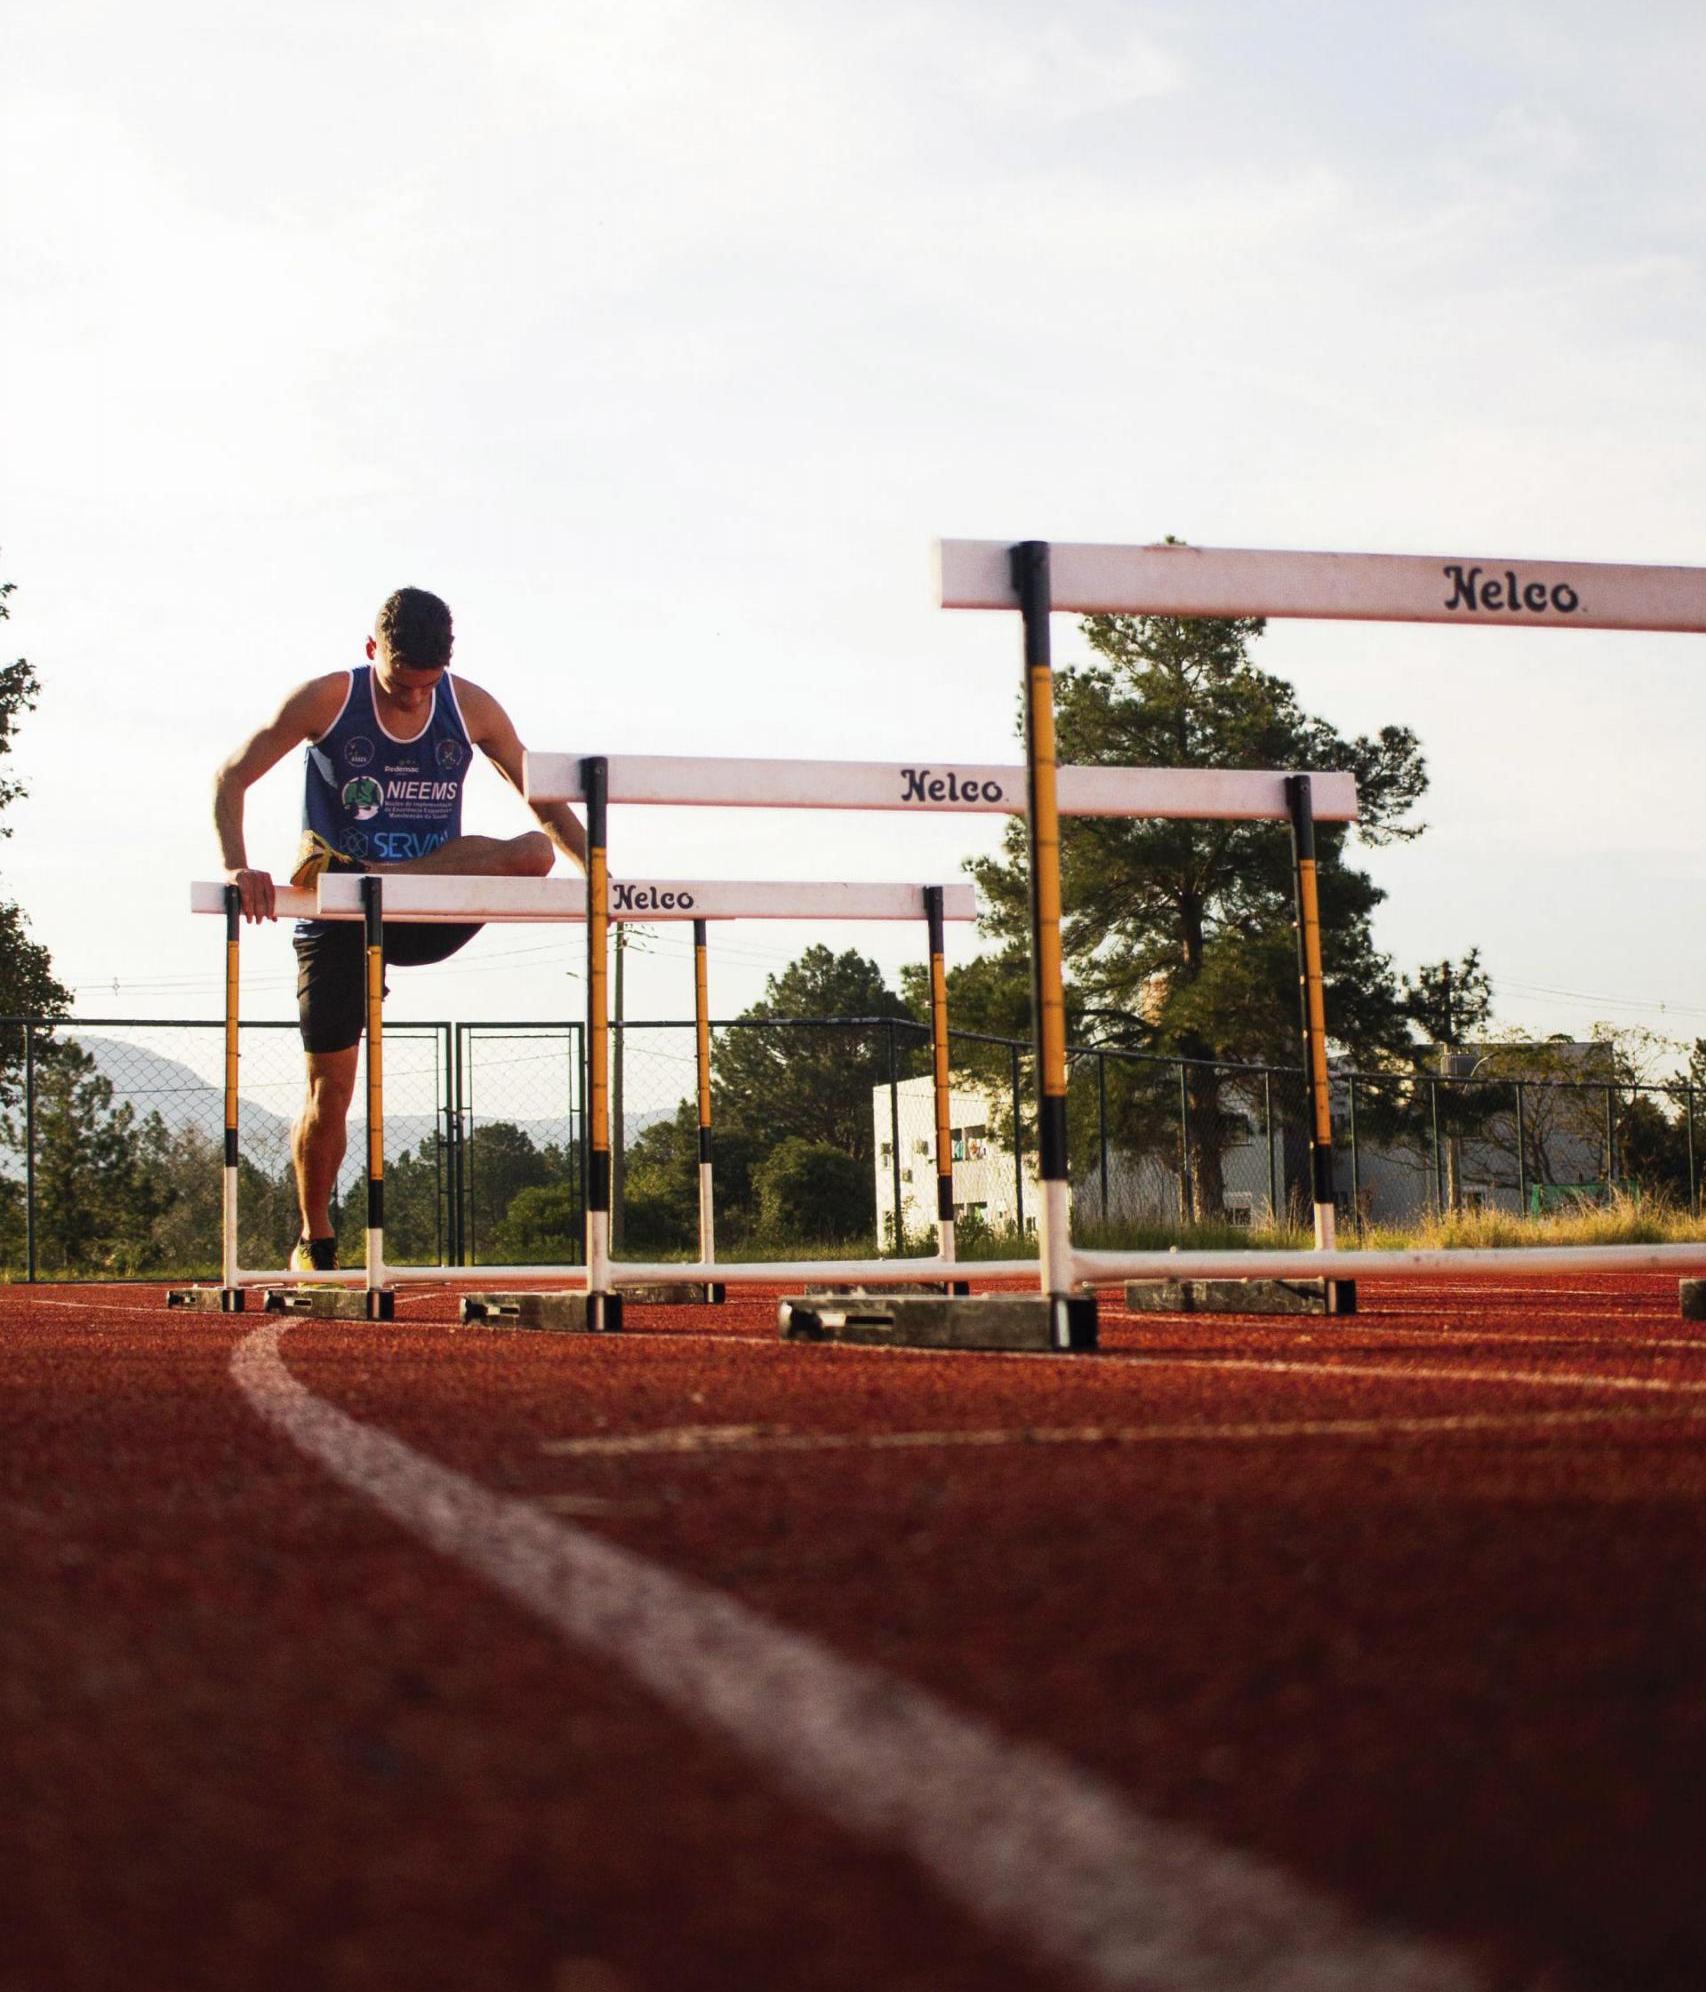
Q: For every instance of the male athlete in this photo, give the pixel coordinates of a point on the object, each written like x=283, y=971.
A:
x=389, y=745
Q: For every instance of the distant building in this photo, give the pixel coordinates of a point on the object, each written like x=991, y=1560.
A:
x=986, y=1186
x=1408, y=1160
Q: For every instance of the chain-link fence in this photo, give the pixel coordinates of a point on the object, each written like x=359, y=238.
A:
x=824, y=1137
x=112, y=1138
x=517, y=1145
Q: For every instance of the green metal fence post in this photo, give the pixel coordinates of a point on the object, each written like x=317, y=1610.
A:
x=1439, y=1172
x=1356, y=1159
x=1018, y=1150
x=1273, y=1160
x=1102, y=1123
x=1184, y=1148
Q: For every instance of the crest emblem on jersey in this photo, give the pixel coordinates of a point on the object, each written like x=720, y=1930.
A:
x=363, y=797
x=450, y=753
x=359, y=751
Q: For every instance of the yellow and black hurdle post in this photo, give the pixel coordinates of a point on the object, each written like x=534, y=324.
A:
x=603, y=1304
x=374, y=1299
x=1072, y=1315
x=942, y=1085
x=1340, y=1294
x=229, y=1296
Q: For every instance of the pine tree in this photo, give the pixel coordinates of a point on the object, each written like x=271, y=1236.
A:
x=1180, y=936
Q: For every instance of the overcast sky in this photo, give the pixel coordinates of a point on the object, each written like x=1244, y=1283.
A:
x=662, y=337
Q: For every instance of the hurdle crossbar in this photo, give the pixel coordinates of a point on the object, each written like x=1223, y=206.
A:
x=421, y=898
x=1041, y=790
x=424, y=898
x=1332, y=587
x=1471, y=1263
x=1038, y=578
x=1196, y=794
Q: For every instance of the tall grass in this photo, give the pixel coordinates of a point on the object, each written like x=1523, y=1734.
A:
x=1621, y=1220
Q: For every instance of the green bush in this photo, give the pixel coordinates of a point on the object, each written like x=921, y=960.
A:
x=809, y=1189
x=541, y=1227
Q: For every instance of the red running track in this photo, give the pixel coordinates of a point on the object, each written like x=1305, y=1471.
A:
x=1243, y=1654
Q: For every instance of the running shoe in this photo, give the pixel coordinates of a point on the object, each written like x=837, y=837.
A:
x=314, y=1255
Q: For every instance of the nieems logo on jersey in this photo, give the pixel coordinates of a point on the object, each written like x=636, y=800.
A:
x=1474, y=589
x=648, y=899
x=414, y=790
x=925, y=785
x=363, y=797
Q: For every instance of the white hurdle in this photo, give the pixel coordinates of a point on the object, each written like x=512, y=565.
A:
x=1206, y=794
x=446, y=899
x=1037, y=578
x=681, y=781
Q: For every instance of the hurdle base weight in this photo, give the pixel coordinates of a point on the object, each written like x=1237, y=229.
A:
x=207, y=1299
x=1691, y=1299
x=1055, y=1324
x=332, y=1303
x=677, y=1293
x=1327, y=1297
x=822, y=1290
x=545, y=1313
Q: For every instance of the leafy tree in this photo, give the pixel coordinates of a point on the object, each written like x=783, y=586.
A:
x=808, y=1190
x=1184, y=931
x=543, y=1226
x=661, y=1189
x=28, y=986
x=1449, y=1001
x=812, y=1082
x=101, y=1177
x=499, y=1161
x=414, y=1204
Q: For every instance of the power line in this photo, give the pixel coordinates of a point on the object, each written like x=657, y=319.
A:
x=1660, y=1006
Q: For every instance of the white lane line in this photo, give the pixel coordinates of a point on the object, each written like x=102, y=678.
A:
x=1404, y=1372
x=1030, y=1846
x=1564, y=1337
x=711, y=1441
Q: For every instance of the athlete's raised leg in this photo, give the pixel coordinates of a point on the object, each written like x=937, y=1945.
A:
x=528, y=856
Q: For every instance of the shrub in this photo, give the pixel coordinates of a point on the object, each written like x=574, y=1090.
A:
x=808, y=1189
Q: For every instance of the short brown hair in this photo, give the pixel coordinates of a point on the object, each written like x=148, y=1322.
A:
x=416, y=629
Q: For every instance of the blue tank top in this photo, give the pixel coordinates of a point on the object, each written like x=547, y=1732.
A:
x=373, y=796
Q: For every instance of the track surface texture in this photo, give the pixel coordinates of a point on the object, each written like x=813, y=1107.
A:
x=1244, y=1654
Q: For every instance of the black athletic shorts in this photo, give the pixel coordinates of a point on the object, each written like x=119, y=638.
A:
x=331, y=972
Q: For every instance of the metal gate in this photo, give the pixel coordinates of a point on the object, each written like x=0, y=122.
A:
x=517, y=1145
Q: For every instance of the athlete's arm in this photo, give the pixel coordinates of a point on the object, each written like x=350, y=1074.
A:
x=305, y=715
x=491, y=730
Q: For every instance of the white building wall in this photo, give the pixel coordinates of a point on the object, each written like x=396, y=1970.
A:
x=984, y=1182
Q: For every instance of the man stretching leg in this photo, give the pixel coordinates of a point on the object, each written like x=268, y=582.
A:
x=389, y=745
